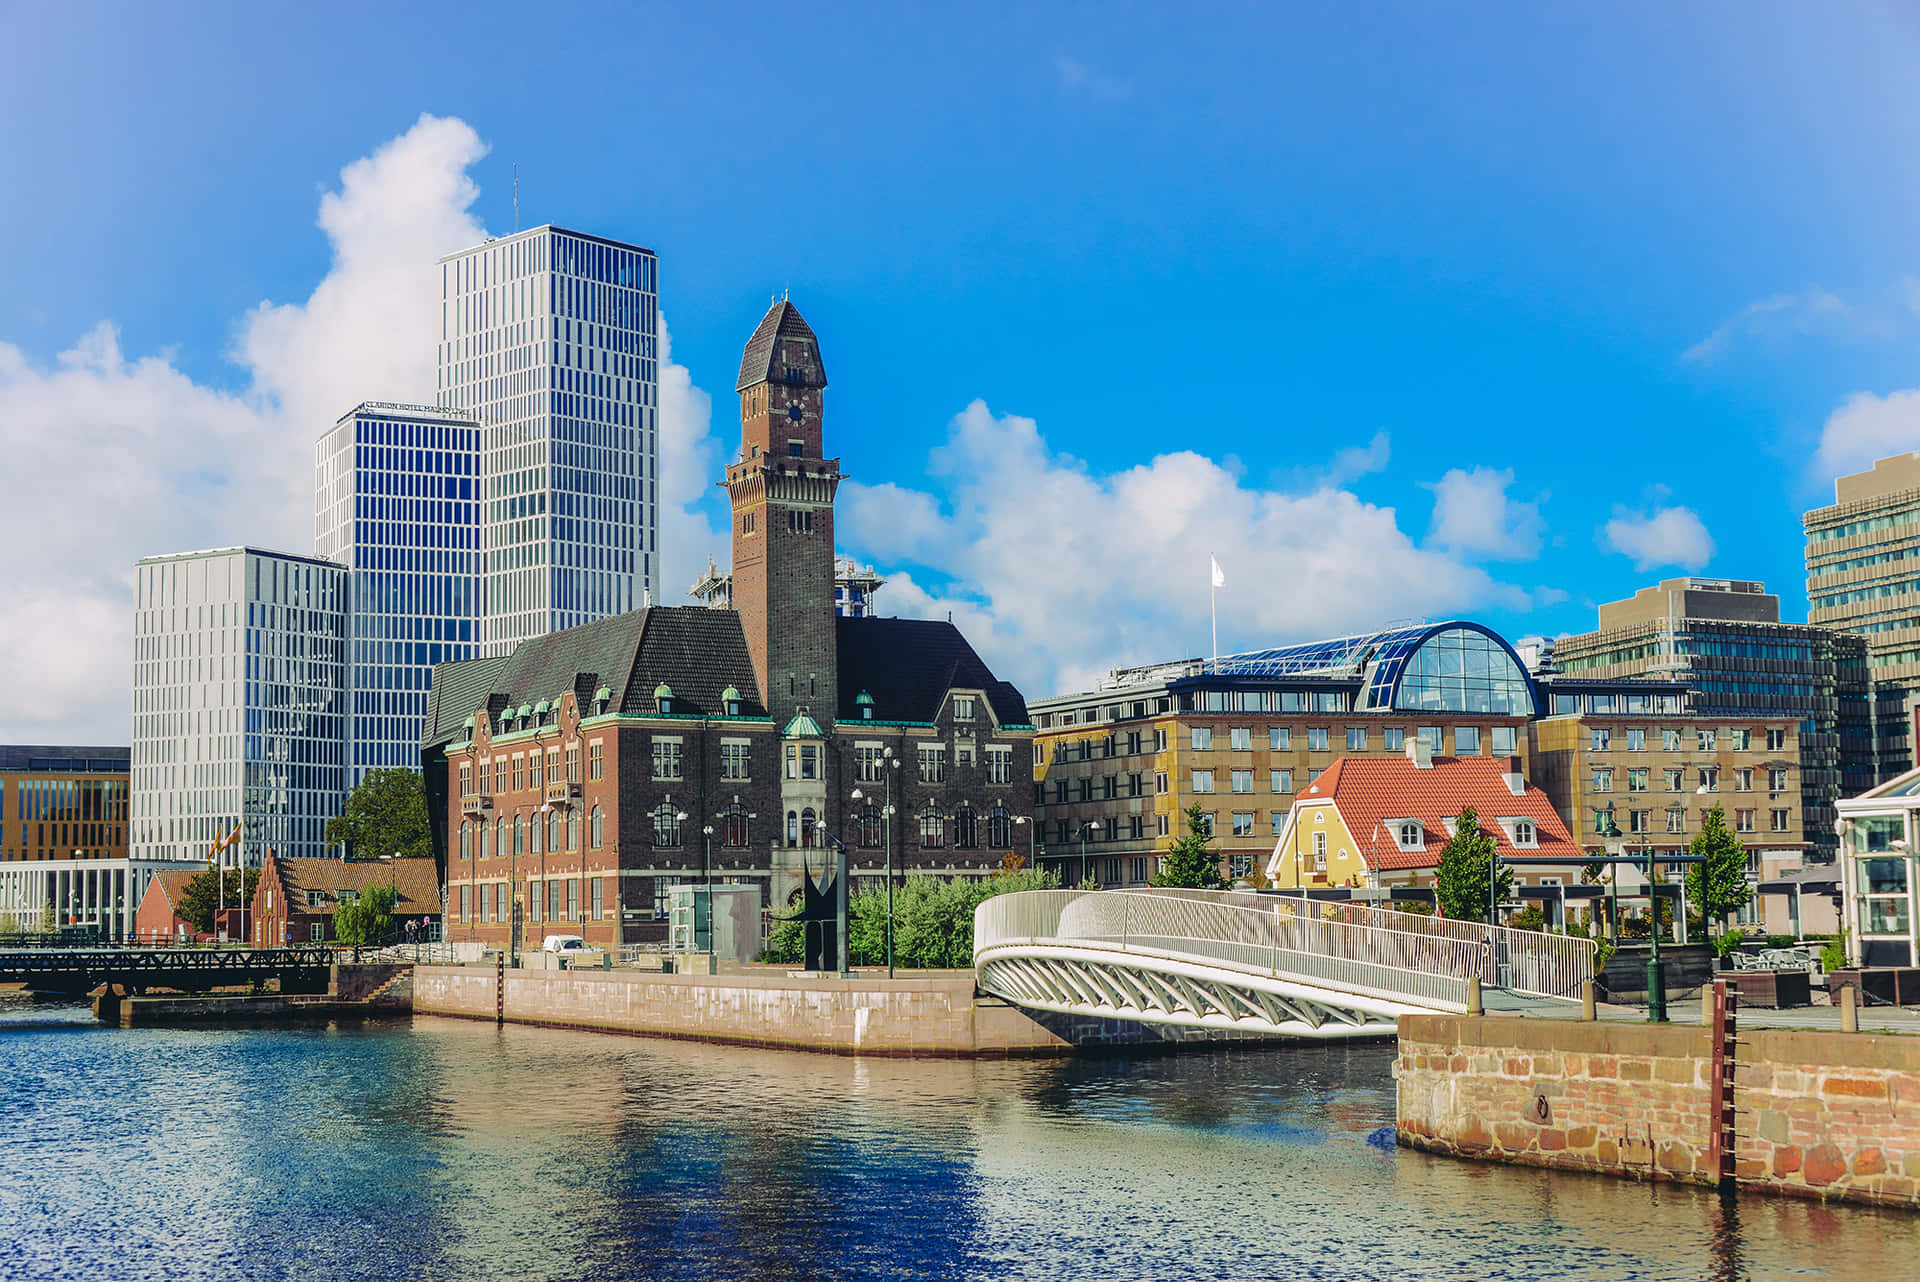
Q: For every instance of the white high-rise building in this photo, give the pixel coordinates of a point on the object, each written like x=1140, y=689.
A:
x=549, y=339
x=238, y=703
x=396, y=501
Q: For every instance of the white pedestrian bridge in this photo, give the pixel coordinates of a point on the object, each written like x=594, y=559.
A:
x=1252, y=963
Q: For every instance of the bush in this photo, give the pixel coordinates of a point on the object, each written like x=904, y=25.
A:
x=1532, y=917
x=1727, y=943
x=932, y=920
x=1834, y=956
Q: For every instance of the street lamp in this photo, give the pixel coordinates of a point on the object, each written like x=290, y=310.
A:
x=1085, y=828
x=888, y=764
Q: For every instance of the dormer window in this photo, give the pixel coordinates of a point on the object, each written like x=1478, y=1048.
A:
x=963, y=707
x=730, y=701
x=1521, y=832
x=1411, y=837
x=663, y=699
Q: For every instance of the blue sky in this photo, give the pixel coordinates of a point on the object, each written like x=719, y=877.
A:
x=1410, y=312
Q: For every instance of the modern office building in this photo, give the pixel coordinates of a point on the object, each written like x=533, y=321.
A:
x=396, y=502
x=548, y=339
x=1863, y=575
x=238, y=703
x=63, y=839
x=1724, y=640
x=854, y=587
x=590, y=770
x=1245, y=736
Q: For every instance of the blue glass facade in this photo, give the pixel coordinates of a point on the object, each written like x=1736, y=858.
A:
x=548, y=340
x=1433, y=667
x=398, y=504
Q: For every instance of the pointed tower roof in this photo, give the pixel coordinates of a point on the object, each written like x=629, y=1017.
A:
x=783, y=320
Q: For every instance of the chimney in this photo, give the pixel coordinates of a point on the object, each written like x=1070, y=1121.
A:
x=1516, y=782
x=1420, y=753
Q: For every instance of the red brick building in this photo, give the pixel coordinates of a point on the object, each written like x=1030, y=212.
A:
x=582, y=775
x=296, y=898
x=158, y=920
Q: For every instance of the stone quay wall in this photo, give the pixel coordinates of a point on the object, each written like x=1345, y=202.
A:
x=1821, y=1115
x=935, y=1015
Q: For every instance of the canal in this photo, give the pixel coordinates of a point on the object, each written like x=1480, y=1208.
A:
x=454, y=1150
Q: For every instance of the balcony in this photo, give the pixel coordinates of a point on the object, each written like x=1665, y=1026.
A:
x=473, y=803
x=562, y=793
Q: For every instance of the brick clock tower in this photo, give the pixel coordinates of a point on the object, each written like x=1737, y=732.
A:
x=782, y=489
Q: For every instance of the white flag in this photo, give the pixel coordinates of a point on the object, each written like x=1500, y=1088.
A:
x=1219, y=575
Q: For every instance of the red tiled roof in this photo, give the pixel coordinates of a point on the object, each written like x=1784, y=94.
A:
x=171, y=885
x=1369, y=791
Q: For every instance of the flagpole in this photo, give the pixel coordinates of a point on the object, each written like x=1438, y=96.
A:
x=1213, y=598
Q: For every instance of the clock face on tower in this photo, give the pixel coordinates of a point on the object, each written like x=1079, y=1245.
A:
x=795, y=413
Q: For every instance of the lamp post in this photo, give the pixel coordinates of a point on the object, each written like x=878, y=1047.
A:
x=1085, y=828
x=1033, y=857
x=888, y=764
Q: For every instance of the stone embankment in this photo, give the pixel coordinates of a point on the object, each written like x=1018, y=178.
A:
x=1821, y=1115
x=932, y=1015
x=354, y=992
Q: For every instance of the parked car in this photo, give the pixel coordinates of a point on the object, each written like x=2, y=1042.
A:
x=564, y=944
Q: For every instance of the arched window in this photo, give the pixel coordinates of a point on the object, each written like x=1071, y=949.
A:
x=536, y=829
x=966, y=829
x=1319, y=851
x=999, y=828
x=809, y=835
x=666, y=825
x=733, y=827
x=573, y=830
x=933, y=827
x=466, y=841
x=486, y=830
x=793, y=827
x=553, y=832
x=519, y=835
x=501, y=841
x=597, y=828
x=871, y=832
x=1409, y=836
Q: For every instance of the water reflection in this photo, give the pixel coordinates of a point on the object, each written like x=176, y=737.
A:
x=457, y=1150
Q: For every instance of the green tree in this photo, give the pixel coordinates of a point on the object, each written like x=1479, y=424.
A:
x=932, y=920
x=1188, y=862
x=201, y=898
x=385, y=815
x=49, y=919
x=1466, y=862
x=366, y=918
x=1717, y=884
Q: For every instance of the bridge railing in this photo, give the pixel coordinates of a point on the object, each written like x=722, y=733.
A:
x=1388, y=954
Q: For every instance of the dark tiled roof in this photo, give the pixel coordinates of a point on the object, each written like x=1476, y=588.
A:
x=697, y=651
x=783, y=320
x=908, y=665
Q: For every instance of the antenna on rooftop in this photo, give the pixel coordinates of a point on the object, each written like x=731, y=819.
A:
x=516, y=198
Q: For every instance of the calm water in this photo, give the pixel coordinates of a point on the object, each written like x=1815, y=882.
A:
x=459, y=1151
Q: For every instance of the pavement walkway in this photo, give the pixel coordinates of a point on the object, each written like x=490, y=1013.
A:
x=1686, y=1008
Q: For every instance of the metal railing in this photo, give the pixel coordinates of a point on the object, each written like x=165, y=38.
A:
x=1382, y=953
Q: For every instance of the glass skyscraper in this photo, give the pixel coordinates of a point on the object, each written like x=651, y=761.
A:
x=396, y=501
x=548, y=338
x=238, y=717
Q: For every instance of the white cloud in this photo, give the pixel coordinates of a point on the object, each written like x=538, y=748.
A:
x=1664, y=536
x=1473, y=515
x=149, y=462
x=1865, y=428
x=689, y=463
x=1059, y=573
x=1810, y=311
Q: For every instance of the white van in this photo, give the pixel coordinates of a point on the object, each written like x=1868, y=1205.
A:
x=564, y=944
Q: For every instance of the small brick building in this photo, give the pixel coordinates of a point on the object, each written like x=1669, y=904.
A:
x=296, y=898
x=158, y=920
x=576, y=779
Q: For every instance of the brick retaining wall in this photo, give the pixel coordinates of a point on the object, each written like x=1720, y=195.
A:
x=932, y=1015
x=1824, y=1115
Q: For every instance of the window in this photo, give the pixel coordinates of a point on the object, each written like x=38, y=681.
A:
x=1433, y=737
x=596, y=828
x=666, y=759
x=1317, y=739
x=1525, y=834
x=1278, y=818
x=733, y=760
x=1637, y=821
x=1636, y=741
x=1243, y=781
x=1319, y=852
x=1240, y=738
x=932, y=759
x=1603, y=779
x=1202, y=738
x=1279, y=738
x=1776, y=740
x=1135, y=784
x=1356, y=738
x=1504, y=739
x=966, y=829
x=599, y=901
x=933, y=827
x=573, y=763
x=1160, y=782
x=1203, y=781
x=519, y=773
x=1000, y=764
x=1674, y=778
x=1411, y=837
x=1743, y=779
x=1676, y=820
x=466, y=842
x=963, y=707
x=1111, y=868
x=596, y=764
x=809, y=828
x=1109, y=787
x=1743, y=821
x=1466, y=741
x=535, y=776
x=1602, y=739
x=537, y=829
x=1637, y=779
x=1137, y=868
x=733, y=826
x=1084, y=787
x=1710, y=778
x=1776, y=779
x=1395, y=739
x=1159, y=740
x=1705, y=740
x=1282, y=781
x=466, y=779
x=315, y=898
x=1160, y=824
x=317, y=932
x=1136, y=827
x=1243, y=823
x=1777, y=820
x=1000, y=828
x=1670, y=740
x=519, y=835
x=1739, y=740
